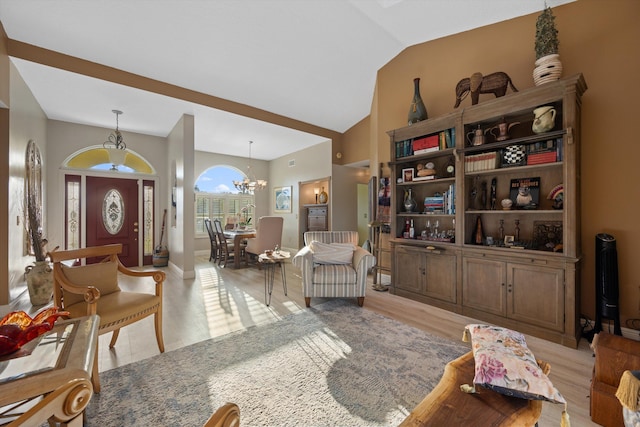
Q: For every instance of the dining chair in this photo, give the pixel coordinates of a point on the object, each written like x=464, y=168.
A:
x=268, y=236
x=226, y=249
x=213, y=256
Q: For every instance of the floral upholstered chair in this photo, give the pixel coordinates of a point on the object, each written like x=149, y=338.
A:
x=333, y=265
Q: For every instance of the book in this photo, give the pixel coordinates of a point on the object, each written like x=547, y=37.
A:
x=481, y=162
x=525, y=192
x=426, y=142
x=424, y=178
x=541, y=158
x=448, y=138
x=426, y=150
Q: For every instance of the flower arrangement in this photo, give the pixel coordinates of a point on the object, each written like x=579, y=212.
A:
x=243, y=216
x=34, y=228
x=546, y=34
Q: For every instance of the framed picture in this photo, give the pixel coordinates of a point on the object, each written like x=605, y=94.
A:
x=508, y=240
x=282, y=197
x=407, y=175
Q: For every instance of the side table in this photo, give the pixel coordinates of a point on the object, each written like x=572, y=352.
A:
x=270, y=261
x=59, y=367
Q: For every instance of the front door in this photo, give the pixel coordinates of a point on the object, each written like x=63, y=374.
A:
x=112, y=215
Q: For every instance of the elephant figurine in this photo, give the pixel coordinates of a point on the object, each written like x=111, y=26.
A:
x=495, y=83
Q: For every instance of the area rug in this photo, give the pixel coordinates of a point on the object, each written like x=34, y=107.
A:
x=334, y=364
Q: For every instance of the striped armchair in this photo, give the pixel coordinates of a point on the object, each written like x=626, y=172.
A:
x=333, y=280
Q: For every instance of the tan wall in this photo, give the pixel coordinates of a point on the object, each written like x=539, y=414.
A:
x=597, y=39
x=356, y=142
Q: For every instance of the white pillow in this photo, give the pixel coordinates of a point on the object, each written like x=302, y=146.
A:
x=332, y=253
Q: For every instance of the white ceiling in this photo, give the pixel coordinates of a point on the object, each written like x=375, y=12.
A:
x=311, y=60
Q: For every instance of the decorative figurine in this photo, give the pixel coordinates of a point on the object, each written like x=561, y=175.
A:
x=483, y=194
x=494, y=184
x=495, y=83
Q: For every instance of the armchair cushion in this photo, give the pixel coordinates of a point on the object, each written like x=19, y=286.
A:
x=332, y=253
x=116, y=306
x=103, y=276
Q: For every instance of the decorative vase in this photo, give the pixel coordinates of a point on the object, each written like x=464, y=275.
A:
x=39, y=282
x=548, y=69
x=544, y=119
x=323, y=197
x=409, y=201
x=417, y=111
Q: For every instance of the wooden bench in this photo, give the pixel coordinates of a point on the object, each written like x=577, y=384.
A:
x=447, y=405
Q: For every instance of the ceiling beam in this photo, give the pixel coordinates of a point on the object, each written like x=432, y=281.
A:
x=39, y=55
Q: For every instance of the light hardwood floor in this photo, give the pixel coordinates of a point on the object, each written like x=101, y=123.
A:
x=223, y=300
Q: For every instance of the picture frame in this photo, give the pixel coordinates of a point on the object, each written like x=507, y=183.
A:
x=407, y=175
x=282, y=199
x=509, y=240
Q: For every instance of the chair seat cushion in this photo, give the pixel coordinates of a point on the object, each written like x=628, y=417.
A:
x=334, y=274
x=119, y=306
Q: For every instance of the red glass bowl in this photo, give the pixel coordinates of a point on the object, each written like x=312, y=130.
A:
x=18, y=328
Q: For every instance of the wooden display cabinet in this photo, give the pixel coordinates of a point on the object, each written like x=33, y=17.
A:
x=530, y=280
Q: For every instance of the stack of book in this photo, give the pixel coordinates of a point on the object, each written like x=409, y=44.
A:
x=481, y=162
x=434, y=204
x=426, y=144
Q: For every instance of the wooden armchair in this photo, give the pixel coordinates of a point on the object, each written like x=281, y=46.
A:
x=228, y=415
x=93, y=289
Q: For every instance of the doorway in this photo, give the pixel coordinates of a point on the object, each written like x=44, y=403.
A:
x=112, y=215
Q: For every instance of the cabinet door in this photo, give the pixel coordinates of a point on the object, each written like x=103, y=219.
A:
x=536, y=295
x=410, y=270
x=441, y=276
x=483, y=285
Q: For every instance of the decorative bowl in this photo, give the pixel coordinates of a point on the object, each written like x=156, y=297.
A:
x=18, y=328
x=506, y=204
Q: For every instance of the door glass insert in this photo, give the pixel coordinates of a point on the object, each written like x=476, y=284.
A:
x=113, y=211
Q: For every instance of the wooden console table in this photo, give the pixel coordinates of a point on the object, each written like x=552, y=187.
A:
x=58, y=368
x=447, y=405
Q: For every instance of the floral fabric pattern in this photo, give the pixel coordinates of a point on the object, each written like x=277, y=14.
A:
x=504, y=363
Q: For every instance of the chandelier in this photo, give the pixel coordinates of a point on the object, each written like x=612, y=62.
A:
x=250, y=184
x=115, y=145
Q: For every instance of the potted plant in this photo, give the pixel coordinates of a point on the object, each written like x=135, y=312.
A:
x=548, y=65
x=39, y=276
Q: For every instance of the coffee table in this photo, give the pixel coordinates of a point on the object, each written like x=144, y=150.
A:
x=59, y=367
x=270, y=261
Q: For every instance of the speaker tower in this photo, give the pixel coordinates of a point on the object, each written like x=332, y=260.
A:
x=607, y=290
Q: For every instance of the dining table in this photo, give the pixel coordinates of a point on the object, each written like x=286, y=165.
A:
x=238, y=235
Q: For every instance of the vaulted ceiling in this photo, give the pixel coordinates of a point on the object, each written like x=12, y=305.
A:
x=314, y=61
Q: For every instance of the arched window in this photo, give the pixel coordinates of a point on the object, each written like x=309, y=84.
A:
x=217, y=198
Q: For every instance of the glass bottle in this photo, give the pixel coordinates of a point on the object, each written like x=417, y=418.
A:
x=417, y=111
x=412, y=231
x=409, y=201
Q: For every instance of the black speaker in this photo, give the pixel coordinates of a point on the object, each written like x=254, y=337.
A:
x=607, y=288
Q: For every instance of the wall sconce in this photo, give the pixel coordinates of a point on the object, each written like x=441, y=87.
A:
x=316, y=191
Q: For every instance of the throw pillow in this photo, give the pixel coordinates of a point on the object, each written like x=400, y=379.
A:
x=103, y=276
x=332, y=253
x=504, y=363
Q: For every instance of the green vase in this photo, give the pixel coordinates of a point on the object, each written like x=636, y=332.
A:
x=417, y=111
